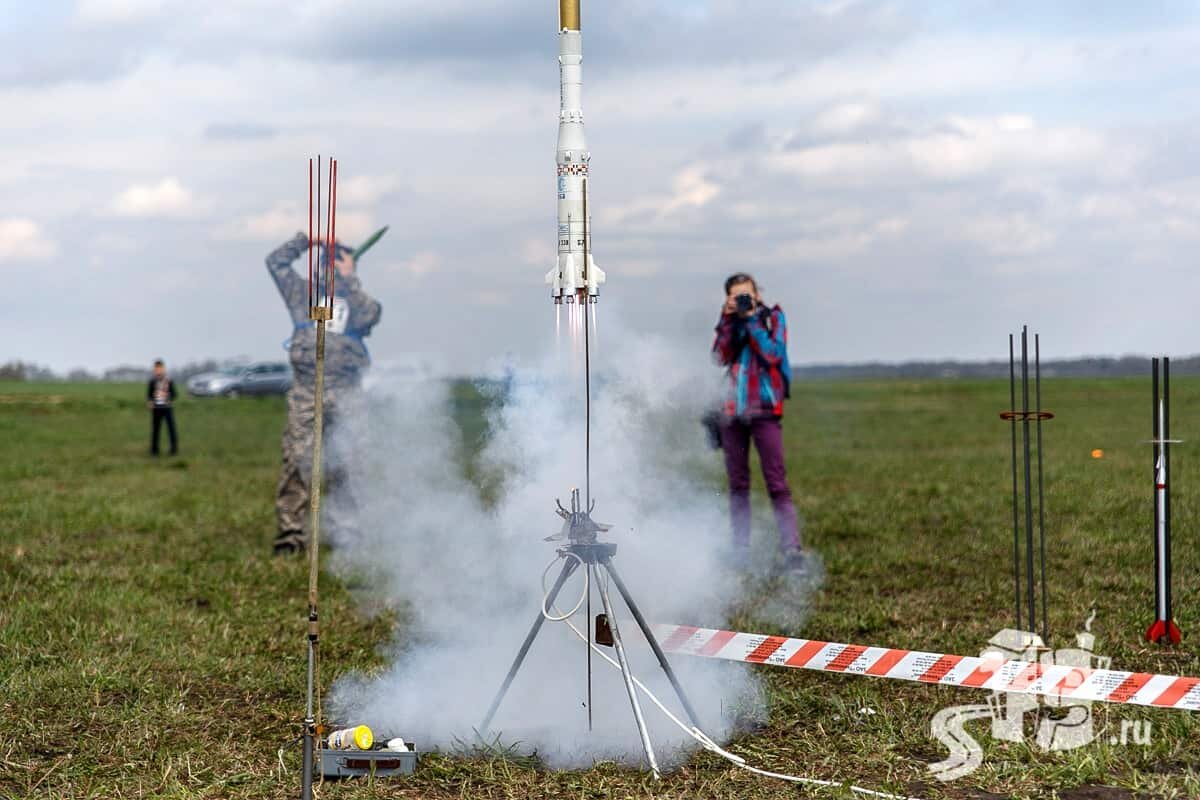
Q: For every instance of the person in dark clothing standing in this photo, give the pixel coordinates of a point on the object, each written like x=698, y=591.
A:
x=160, y=394
x=751, y=343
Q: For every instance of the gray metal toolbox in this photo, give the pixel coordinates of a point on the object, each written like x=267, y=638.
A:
x=377, y=763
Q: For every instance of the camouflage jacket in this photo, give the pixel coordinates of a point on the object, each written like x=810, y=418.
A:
x=355, y=313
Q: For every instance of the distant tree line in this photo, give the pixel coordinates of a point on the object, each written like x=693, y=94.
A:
x=125, y=373
x=1099, y=367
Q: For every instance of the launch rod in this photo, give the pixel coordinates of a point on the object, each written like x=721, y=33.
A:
x=587, y=435
x=1166, y=459
x=311, y=716
x=1156, y=443
x=320, y=313
x=1030, y=600
x=587, y=368
x=589, y=644
x=310, y=233
x=1012, y=404
x=1037, y=383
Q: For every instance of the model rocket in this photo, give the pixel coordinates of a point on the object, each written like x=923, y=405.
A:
x=576, y=276
x=1163, y=630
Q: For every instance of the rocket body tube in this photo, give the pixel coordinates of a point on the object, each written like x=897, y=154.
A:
x=575, y=277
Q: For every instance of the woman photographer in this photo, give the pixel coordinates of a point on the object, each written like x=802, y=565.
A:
x=752, y=344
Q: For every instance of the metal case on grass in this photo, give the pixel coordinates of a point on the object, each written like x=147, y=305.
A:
x=357, y=763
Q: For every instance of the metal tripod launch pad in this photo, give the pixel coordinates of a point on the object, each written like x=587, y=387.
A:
x=584, y=550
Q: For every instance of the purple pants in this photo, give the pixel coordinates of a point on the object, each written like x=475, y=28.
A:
x=767, y=434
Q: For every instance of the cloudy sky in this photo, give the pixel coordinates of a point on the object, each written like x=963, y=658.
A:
x=907, y=179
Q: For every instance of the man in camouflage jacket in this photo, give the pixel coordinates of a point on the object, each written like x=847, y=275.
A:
x=355, y=313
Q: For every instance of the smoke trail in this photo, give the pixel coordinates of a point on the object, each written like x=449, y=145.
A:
x=467, y=573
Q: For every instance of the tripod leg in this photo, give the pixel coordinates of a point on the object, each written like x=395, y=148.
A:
x=658, y=652
x=628, y=676
x=567, y=569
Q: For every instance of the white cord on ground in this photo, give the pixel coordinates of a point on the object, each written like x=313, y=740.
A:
x=546, y=593
x=700, y=736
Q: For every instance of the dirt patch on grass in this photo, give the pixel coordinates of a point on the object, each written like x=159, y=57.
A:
x=1096, y=793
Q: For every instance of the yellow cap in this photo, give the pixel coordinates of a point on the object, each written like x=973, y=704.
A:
x=568, y=15
x=363, y=738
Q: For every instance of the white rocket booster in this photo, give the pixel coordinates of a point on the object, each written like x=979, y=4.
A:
x=576, y=275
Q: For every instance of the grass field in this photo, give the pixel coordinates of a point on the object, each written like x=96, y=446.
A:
x=151, y=647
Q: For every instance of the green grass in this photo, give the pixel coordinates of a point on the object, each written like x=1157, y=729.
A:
x=151, y=647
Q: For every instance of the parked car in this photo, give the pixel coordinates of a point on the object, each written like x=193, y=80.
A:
x=256, y=379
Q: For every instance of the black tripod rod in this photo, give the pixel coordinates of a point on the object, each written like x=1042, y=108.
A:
x=1030, y=597
x=1012, y=405
x=548, y=601
x=649, y=634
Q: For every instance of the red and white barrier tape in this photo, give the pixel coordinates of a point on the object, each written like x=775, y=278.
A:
x=992, y=673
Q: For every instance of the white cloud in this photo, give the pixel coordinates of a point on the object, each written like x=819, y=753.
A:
x=846, y=117
x=120, y=12
x=539, y=251
x=284, y=220
x=274, y=224
x=421, y=263
x=1010, y=235
x=22, y=239
x=365, y=190
x=167, y=198
x=958, y=147
x=690, y=188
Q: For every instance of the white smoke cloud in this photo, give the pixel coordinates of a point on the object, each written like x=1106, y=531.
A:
x=466, y=572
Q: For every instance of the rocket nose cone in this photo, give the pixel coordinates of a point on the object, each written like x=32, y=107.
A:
x=568, y=15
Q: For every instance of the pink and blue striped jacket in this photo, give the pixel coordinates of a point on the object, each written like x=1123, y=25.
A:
x=755, y=352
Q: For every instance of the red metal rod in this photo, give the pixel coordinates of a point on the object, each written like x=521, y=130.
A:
x=332, y=229
x=310, y=229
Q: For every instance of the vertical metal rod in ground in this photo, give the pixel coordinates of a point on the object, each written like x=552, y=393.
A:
x=589, y=643
x=1037, y=382
x=1012, y=423
x=311, y=722
x=587, y=369
x=1156, y=439
x=628, y=677
x=1166, y=457
x=547, y=602
x=649, y=634
x=1029, y=595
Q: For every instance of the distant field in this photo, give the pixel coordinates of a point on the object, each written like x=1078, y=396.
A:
x=151, y=647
